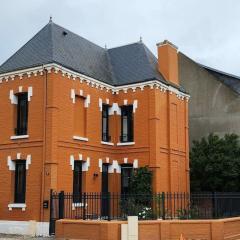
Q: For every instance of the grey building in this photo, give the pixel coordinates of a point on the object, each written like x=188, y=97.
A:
x=214, y=105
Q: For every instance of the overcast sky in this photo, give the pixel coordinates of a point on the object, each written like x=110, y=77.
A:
x=208, y=31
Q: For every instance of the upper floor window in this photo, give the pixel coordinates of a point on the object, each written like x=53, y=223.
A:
x=20, y=181
x=77, y=181
x=105, y=123
x=22, y=114
x=79, y=117
x=126, y=124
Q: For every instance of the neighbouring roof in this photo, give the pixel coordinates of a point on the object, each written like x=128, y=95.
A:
x=128, y=64
x=229, y=80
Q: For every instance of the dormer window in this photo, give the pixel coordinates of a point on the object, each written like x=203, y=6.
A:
x=126, y=124
x=22, y=114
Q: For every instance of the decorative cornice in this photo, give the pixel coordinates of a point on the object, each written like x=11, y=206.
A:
x=55, y=68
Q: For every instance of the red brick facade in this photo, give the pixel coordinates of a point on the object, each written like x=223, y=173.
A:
x=160, y=135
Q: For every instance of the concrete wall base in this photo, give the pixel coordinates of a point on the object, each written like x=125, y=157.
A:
x=30, y=228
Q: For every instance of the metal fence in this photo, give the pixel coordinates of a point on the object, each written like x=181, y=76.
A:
x=115, y=206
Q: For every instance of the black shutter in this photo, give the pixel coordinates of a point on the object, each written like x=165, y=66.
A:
x=20, y=182
x=105, y=123
x=22, y=114
x=126, y=174
x=77, y=181
x=126, y=124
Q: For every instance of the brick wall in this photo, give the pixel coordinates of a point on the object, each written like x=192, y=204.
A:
x=155, y=230
x=160, y=136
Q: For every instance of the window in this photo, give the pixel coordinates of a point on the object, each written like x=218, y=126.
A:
x=22, y=114
x=126, y=124
x=105, y=178
x=126, y=174
x=105, y=124
x=79, y=117
x=20, y=181
x=77, y=181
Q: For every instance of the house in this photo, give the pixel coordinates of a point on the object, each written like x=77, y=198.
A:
x=215, y=99
x=80, y=118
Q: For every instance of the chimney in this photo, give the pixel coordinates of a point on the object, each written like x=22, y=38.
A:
x=168, y=61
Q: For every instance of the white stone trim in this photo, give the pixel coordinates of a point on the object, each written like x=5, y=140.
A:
x=17, y=205
x=27, y=228
x=30, y=93
x=100, y=103
x=12, y=163
x=87, y=101
x=135, y=163
x=125, y=143
x=114, y=108
x=13, y=98
x=100, y=162
x=135, y=105
x=91, y=81
x=72, y=161
x=80, y=138
x=125, y=102
x=125, y=160
x=85, y=164
x=19, y=137
x=114, y=166
x=107, y=143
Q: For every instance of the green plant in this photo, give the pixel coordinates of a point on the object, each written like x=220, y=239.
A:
x=215, y=164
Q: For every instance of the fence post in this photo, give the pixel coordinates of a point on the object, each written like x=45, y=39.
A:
x=51, y=214
x=109, y=205
x=163, y=205
x=215, y=210
x=61, y=205
x=84, y=206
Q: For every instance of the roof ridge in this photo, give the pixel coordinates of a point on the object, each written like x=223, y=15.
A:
x=113, y=77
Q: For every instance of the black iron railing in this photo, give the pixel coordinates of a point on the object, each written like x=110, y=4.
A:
x=115, y=206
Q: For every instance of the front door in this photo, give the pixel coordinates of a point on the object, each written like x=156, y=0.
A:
x=105, y=194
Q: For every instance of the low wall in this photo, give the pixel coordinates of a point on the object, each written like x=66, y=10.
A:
x=221, y=229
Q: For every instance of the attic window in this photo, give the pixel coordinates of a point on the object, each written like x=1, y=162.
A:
x=65, y=33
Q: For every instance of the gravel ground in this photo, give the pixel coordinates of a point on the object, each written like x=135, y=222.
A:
x=15, y=237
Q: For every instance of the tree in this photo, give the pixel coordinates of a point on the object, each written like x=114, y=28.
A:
x=141, y=181
x=215, y=164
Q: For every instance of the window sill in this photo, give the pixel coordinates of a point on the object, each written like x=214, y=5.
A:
x=19, y=137
x=78, y=205
x=125, y=143
x=107, y=143
x=17, y=205
x=80, y=138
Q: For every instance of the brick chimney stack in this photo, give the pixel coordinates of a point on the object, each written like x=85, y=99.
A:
x=168, y=61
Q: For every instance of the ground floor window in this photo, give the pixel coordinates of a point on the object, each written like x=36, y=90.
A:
x=77, y=181
x=126, y=174
x=20, y=181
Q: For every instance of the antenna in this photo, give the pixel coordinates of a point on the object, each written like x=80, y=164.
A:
x=50, y=19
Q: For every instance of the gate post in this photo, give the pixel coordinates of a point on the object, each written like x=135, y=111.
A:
x=61, y=205
x=163, y=205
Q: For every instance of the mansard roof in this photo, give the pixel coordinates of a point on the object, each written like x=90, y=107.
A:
x=118, y=66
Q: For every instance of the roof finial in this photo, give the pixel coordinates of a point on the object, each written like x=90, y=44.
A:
x=140, y=38
x=50, y=19
x=105, y=46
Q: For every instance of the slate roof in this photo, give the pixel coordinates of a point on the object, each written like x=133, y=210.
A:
x=128, y=64
x=229, y=80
